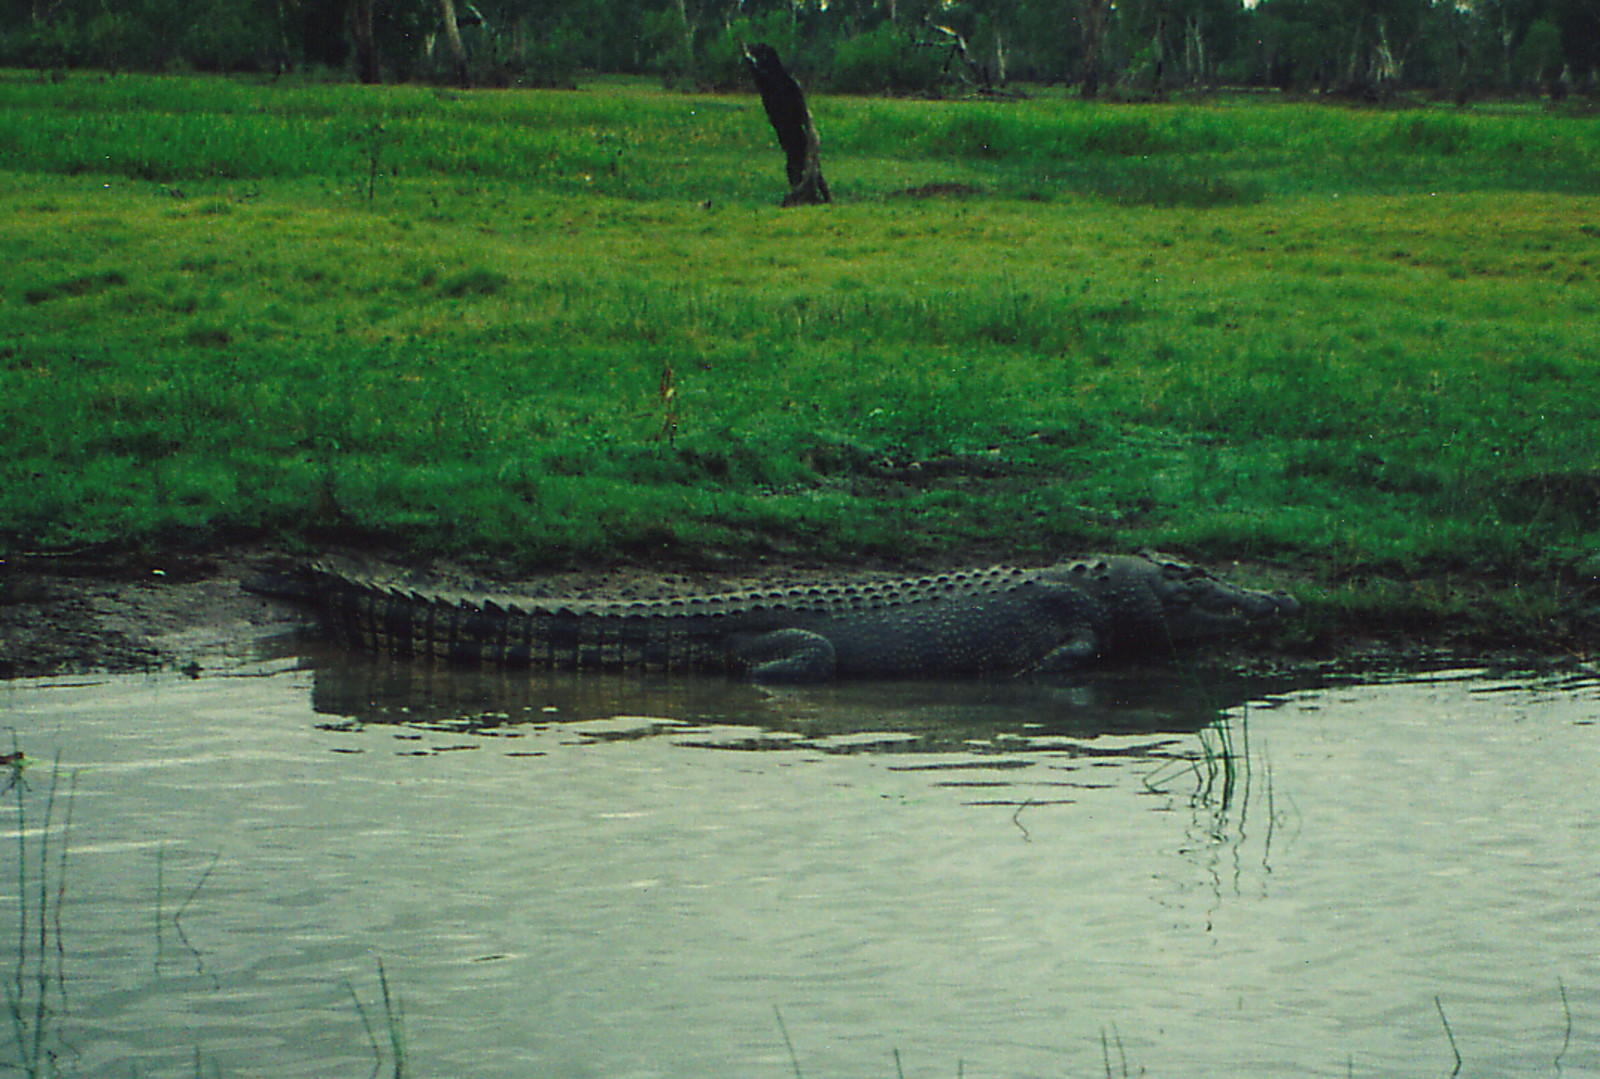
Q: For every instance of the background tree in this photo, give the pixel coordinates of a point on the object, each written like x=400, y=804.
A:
x=1366, y=48
x=363, y=29
x=1179, y=42
x=1092, y=26
x=452, y=38
x=1578, y=24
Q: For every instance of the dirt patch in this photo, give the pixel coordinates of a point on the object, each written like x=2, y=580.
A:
x=73, y=614
x=937, y=191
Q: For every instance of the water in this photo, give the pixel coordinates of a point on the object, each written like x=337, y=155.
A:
x=595, y=877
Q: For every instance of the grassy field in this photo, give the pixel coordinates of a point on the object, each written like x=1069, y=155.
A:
x=1357, y=348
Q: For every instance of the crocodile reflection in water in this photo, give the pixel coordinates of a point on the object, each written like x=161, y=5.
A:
x=356, y=690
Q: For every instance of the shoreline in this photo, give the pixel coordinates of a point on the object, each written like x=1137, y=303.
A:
x=182, y=609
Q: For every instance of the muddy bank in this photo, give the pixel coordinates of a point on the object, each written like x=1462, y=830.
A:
x=72, y=614
x=181, y=610
x=178, y=610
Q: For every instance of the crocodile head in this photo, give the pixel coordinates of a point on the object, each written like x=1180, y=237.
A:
x=1160, y=601
x=1197, y=606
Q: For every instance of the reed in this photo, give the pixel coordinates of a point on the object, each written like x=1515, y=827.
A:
x=1450, y=1035
x=393, y=1027
x=794, y=1058
x=36, y=990
x=1105, y=1053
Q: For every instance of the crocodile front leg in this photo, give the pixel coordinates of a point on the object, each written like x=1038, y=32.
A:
x=1069, y=655
x=785, y=655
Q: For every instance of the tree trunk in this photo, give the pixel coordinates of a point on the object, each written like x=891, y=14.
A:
x=1195, y=53
x=1094, y=41
x=785, y=104
x=366, y=42
x=1462, y=76
x=452, y=37
x=1158, y=51
x=280, y=44
x=1385, y=64
x=688, y=40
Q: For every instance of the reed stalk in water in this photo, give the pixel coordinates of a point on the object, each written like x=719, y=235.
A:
x=36, y=991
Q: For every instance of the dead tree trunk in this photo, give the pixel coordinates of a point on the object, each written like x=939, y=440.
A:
x=977, y=76
x=791, y=120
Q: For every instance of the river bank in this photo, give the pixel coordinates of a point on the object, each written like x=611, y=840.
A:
x=186, y=610
x=1344, y=351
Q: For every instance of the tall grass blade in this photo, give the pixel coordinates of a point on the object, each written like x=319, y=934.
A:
x=794, y=1058
x=177, y=917
x=1566, y=1034
x=1451, y=1035
x=366, y=1024
x=394, y=1019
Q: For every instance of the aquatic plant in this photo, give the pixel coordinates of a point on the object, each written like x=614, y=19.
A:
x=1105, y=1053
x=36, y=990
x=1450, y=1034
x=393, y=1025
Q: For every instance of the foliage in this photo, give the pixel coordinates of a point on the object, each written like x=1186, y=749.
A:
x=1369, y=49
x=721, y=64
x=886, y=60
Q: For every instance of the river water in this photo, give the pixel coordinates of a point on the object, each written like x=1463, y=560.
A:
x=1165, y=872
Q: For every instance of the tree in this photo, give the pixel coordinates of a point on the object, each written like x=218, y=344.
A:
x=785, y=106
x=452, y=37
x=1358, y=48
x=1092, y=25
x=1187, y=39
x=363, y=30
x=1578, y=23
x=1506, y=26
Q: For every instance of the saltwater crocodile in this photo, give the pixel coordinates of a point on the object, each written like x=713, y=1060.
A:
x=1004, y=620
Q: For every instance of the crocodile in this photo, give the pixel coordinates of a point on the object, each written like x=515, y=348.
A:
x=1004, y=620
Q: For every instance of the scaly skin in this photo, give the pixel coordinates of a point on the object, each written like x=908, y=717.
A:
x=999, y=621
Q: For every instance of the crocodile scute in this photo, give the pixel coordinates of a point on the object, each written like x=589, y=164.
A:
x=1003, y=620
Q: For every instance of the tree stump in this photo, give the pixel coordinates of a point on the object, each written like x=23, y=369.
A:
x=786, y=109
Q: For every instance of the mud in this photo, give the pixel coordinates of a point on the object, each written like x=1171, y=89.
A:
x=72, y=614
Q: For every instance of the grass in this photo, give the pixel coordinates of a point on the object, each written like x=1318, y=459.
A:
x=1354, y=346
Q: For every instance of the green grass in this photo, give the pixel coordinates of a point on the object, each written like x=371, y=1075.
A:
x=1359, y=346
